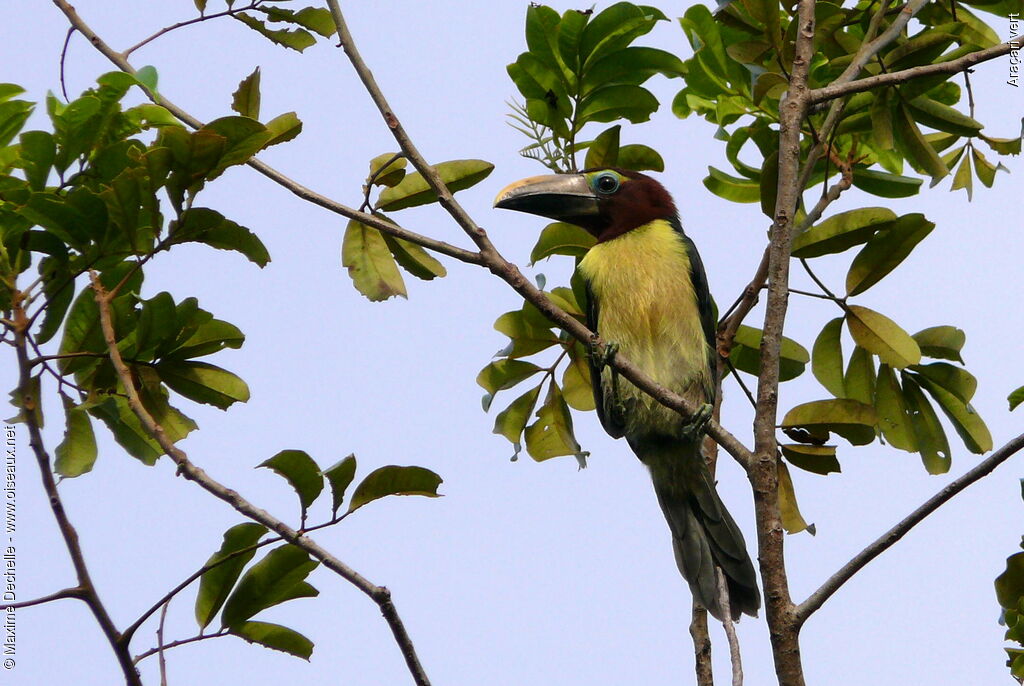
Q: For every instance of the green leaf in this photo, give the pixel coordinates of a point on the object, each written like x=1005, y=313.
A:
x=943, y=117
x=851, y=419
x=917, y=150
x=339, y=476
x=882, y=336
x=625, y=101
x=457, y=175
x=859, y=380
x=885, y=251
x=956, y=380
x=576, y=385
x=941, y=342
x=202, y=225
x=931, y=438
x=632, y=65
x=246, y=100
x=827, y=358
x=746, y=354
x=883, y=184
x=296, y=39
x=985, y=170
x=503, y=374
x=963, y=179
x=203, y=383
x=301, y=472
x=614, y=28
x=392, y=174
x=551, y=435
x=1016, y=398
x=893, y=417
x=818, y=459
x=560, y=238
x=76, y=454
x=38, y=152
x=792, y=521
x=371, y=266
x=842, y=231
x=148, y=77
x=528, y=329
x=216, y=583
x=769, y=184
x=640, y=158
x=604, y=150
x=968, y=424
x=276, y=637
x=732, y=188
x=511, y=421
x=394, y=480
x=272, y=580
x=1010, y=584
x=414, y=259
x=316, y=19
x=283, y=128
x=59, y=289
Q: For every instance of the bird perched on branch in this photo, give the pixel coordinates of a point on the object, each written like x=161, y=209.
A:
x=649, y=299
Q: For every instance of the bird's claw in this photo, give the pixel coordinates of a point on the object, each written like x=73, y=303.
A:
x=694, y=428
x=603, y=358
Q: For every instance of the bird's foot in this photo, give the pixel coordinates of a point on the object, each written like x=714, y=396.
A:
x=603, y=358
x=694, y=428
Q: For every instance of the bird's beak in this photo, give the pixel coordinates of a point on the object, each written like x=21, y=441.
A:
x=562, y=197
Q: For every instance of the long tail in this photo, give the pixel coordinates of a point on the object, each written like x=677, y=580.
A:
x=704, y=535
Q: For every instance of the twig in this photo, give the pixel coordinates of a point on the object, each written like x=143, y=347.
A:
x=63, y=56
x=174, y=644
x=76, y=592
x=824, y=289
x=379, y=594
x=890, y=537
x=203, y=17
x=160, y=644
x=730, y=628
x=838, y=89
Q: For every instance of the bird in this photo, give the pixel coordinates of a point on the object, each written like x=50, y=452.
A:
x=648, y=298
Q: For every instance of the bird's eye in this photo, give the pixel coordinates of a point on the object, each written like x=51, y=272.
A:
x=606, y=183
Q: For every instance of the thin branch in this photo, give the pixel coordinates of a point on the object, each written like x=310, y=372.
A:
x=379, y=594
x=821, y=284
x=890, y=537
x=730, y=628
x=838, y=88
x=175, y=644
x=203, y=17
x=76, y=592
x=63, y=57
x=29, y=407
x=160, y=644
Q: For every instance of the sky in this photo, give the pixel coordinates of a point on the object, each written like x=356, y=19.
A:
x=523, y=573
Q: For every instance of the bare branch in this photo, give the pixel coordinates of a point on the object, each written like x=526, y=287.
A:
x=77, y=592
x=838, y=89
x=159, y=649
x=890, y=537
x=203, y=17
x=190, y=471
x=730, y=628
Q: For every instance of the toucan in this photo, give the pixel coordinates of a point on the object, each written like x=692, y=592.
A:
x=648, y=298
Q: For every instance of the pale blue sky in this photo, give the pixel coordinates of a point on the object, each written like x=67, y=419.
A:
x=523, y=573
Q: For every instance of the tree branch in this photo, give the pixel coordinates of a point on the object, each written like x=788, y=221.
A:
x=188, y=22
x=730, y=628
x=174, y=644
x=701, y=646
x=379, y=594
x=890, y=537
x=838, y=89
x=86, y=589
x=779, y=608
x=76, y=592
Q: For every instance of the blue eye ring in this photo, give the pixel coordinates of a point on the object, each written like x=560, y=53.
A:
x=606, y=183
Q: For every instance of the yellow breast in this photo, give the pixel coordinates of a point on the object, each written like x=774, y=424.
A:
x=647, y=304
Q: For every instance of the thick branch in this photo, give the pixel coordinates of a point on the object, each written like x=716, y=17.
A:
x=838, y=89
x=890, y=537
x=764, y=477
x=701, y=646
x=186, y=468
